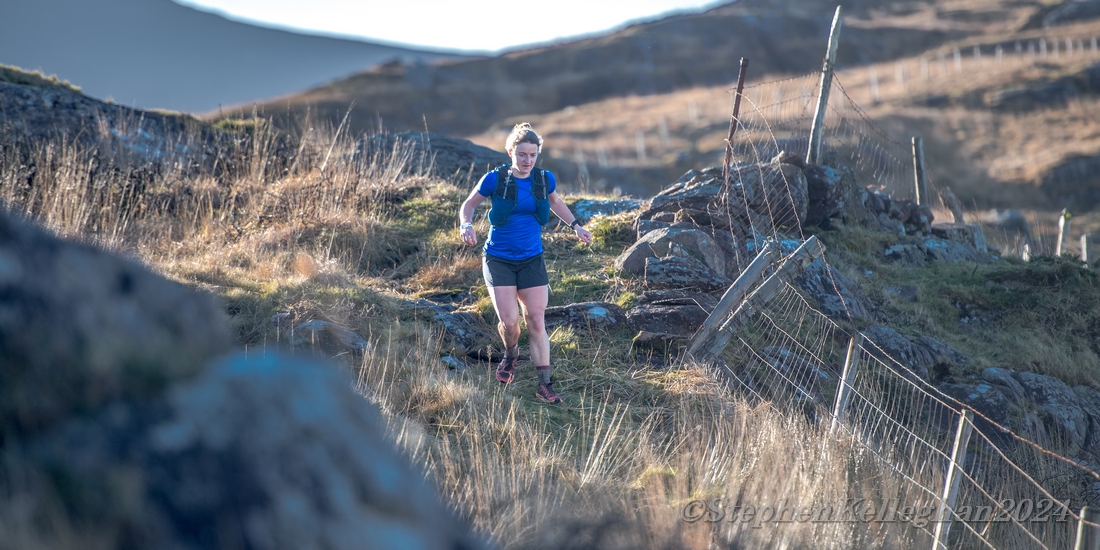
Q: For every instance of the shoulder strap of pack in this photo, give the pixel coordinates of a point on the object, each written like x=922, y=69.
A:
x=538, y=184
x=504, y=181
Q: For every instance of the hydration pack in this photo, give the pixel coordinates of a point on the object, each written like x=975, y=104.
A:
x=504, y=197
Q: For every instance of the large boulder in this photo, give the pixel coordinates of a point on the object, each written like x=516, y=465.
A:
x=1040, y=407
x=668, y=241
x=80, y=327
x=262, y=451
x=777, y=191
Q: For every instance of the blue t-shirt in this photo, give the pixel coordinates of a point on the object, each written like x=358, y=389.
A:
x=521, y=236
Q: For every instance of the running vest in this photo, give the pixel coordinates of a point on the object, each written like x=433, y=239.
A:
x=504, y=197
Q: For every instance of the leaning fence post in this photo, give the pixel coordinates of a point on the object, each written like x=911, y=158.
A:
x=1088, y=532
x=734, y=119
x=740, y=288
x=918, y=171
x=814, y=154
x=843, y=390
x=1063, y=231
x=951, y=483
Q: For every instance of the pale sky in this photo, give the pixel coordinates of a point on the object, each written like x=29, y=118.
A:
x=470, y=25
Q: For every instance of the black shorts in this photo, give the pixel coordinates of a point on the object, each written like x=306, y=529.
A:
x=521, y=274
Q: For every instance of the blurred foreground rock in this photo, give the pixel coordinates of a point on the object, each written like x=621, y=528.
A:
x=80, y=327
x=120, y=428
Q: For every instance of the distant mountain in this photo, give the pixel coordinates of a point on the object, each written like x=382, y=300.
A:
x=158, y=54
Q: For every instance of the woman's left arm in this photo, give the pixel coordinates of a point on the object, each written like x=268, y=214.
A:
x=562, y=211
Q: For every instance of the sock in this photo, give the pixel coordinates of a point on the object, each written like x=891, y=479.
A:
x=511, y=352
x=544, y=375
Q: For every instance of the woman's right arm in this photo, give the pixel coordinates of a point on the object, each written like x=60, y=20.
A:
x=466, y=217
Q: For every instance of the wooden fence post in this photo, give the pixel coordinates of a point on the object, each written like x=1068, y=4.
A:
x=810, y=250
x=733, y=296
x=1063, y=231
x=920, y=180
x=814, y=154
x=1088, y=534
x=843, y=389
x=734, y=119
x=951, y=483
x=1086, y=240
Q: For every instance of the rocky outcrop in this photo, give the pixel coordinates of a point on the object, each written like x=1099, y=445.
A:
x=116, y=135
x=1039, y=407
x=80, y=328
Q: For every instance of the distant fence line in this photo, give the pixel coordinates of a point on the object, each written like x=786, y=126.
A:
x=943, y=452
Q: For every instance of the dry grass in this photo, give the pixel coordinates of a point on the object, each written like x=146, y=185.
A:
x=335, y=237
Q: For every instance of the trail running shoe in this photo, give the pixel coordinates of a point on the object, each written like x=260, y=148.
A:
x=546, y=393
x=506, y=370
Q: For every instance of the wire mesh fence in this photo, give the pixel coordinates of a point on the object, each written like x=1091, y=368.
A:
x=962, y=480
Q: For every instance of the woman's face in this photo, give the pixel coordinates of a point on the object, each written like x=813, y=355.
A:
x=523, y=159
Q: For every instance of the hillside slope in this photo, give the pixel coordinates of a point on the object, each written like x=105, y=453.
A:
x=674, y=53
x=158, y=54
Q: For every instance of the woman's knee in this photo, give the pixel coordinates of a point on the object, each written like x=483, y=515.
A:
x=536, y=320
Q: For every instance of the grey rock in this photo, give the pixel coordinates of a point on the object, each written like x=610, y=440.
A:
x=586, y=209
x=917, y=359
x=968, y=234
x=830, y=193
x=454, y=363
x=466, y=330
x=680, y=320
x=950, y=251
x=601, y=316
x=838, y=296
x=1059, y=408
x=678, y=298
x=264, y=451
x=675, y=242
x=333, y=338
x=642, y=227
x=778, y=192
x=80, y=327
x=675, y=272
